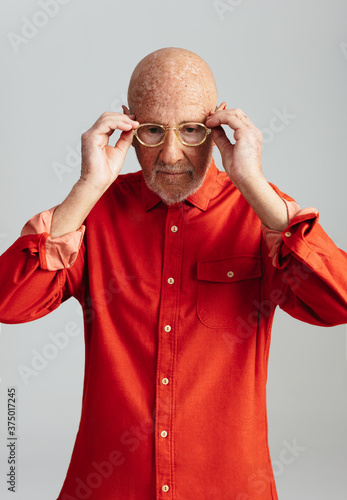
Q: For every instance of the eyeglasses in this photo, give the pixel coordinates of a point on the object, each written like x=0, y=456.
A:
x=189, y=134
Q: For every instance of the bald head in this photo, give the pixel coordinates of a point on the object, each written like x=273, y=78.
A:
x=170, y=76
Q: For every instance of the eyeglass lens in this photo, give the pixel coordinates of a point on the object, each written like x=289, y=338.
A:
x=190, y=133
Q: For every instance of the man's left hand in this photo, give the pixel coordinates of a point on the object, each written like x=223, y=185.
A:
x=242, y=163
x=242, y=160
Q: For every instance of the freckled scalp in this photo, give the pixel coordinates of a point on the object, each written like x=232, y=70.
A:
x=170, y=75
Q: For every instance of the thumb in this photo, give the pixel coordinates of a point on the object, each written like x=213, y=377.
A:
x=221, y=140
x=116, y=154
x=124, y=142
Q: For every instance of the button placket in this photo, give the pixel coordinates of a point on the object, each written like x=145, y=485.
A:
x=166, y=359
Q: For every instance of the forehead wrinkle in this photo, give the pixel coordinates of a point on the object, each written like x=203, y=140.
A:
x=184, y=105
x=166, y=87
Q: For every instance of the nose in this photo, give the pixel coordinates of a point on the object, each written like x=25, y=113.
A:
x=172, y=149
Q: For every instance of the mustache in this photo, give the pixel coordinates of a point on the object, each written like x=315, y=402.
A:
x=177, y=168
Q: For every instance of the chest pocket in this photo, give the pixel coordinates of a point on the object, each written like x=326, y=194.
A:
x=228, y=289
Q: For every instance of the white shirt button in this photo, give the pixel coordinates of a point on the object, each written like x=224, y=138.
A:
x=165, y=381
x=230, y=274
x=288, y=234
x=163, y=434
x=174, y=229
x=171, y=281
x=165, y=488
x=167, y=328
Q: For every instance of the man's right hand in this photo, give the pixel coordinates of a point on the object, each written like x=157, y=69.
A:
x=101, y=163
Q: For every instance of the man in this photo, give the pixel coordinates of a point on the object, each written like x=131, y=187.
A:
x=178, y=268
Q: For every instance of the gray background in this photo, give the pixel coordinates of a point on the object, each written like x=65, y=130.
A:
x=267, y=57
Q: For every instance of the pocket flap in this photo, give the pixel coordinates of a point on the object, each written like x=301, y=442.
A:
x=229, y=270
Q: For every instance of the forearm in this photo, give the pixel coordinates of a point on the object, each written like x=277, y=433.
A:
x=266, y=203
x=71, y=213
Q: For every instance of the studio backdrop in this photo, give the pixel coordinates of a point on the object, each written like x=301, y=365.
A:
x=66, y=62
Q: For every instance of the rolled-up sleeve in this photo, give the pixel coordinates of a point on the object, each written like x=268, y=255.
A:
x=308, y=267
x=38, y=273
x=54, y=253
x=275, y=239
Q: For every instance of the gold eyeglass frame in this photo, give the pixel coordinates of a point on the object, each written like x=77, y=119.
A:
x=166, y=128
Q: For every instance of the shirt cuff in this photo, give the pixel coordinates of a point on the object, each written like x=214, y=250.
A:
x=274, y=239
x=54, y=253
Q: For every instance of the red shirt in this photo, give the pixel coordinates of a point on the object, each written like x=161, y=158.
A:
x=178, y=304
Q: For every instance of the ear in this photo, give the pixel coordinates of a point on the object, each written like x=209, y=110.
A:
x=125, y=110
x=222, y=106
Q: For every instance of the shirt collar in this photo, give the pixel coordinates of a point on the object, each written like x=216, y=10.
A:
x=199, y=199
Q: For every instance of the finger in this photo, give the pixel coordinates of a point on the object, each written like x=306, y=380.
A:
x=122, y=122
x=226, y=117
x=124, y=126
x=119, y=151
x=221, y=140
x=124, y=142
x=112, y=121
x=237, y=112
x=107, y=126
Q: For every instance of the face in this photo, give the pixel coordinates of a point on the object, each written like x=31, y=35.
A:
x=172, y=170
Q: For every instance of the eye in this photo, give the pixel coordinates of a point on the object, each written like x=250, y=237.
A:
x=190, y=129
x=154, y=130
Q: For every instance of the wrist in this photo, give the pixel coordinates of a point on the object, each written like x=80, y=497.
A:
x=71, y=213
x=90, y=189
x=250, y=182
x=267, y=204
